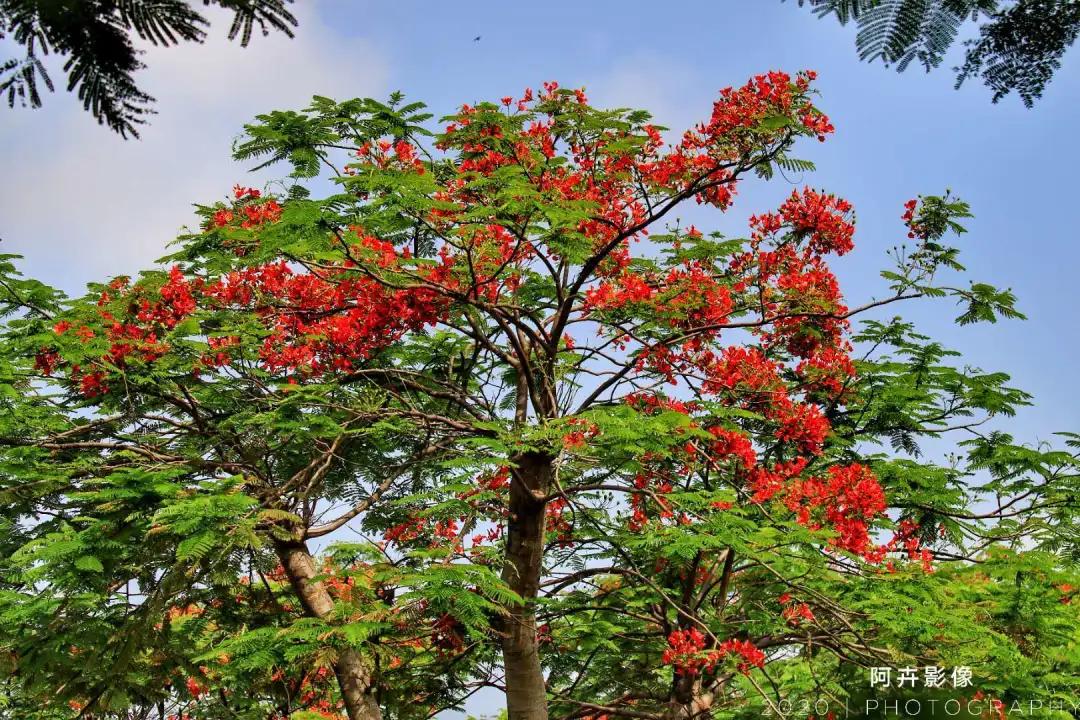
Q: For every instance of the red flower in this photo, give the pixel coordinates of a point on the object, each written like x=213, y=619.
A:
x=222, y=218
x=735, y=445
x=822, y=219
x=195, y=688
x=914, y=229
x=46, y=361
x=257, y=214
x=750, y=654
x=686, y=652
x=802, y=424
x=93, y=384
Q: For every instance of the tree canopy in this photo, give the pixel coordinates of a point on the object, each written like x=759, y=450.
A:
x=491, y=415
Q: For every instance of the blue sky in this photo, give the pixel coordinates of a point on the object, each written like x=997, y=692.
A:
x=81, y=204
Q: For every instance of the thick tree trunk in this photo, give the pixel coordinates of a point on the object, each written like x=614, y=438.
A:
x=354, y=677
x=526, y=693
x=689, y=701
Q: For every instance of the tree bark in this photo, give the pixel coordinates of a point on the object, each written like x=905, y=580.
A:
x=526, y=692
x=689, y=701
x=353, y=675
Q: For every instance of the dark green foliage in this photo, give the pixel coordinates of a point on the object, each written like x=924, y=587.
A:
x=1022, y=47
x=96, y=39
x=1018, y=48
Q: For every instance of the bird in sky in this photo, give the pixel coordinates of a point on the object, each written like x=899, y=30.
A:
x=476, y=39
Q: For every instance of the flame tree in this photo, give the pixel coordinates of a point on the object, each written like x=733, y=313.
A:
x=571, y=434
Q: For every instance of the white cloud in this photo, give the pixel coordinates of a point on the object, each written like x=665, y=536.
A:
x=81, y=204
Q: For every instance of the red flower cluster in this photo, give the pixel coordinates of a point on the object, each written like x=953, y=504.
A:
x=47, y=360
x=914, y=229
x=626, y=289
x=147, y=314
x=319, y=323
x=249, y=207
x=404, y=156
x=695, y=298
x=750, y=654
x=741, y=109
x=686, y=651
x=322, y=323
x=816, y=122
x=651, y=404
x=256, y=214
x=689, y=297
x=447, y=635
x=732, y=444
x=827, y=371
x=846, y=500
x=176, y=302
x=743, y=374
x=659, y=484
x=822, y=219
x=555, y=521
x=733, y=128
x=766, y=483
x=583, y=431
x=195, y=688
x=444, y=533
x=801, y=424
x=406, y=531
x=795, y=612
x=907, y=537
